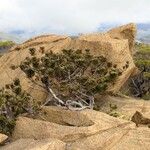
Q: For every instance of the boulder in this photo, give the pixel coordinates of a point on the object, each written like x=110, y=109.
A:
x=125, y=32
x=120, y=138
x=31, y=144
x=3, y=137
x=116, y=50
x=82, y=130
x=65, y=125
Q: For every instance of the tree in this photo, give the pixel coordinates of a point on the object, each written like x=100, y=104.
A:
x=72, y=77
x=139, y=84
x=14, y=102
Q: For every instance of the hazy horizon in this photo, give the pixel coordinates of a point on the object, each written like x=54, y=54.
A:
x=69, y=17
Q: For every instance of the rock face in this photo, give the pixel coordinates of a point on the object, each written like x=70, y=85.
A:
x=125, y=32
x=80, y=130
x=2, y=138
x=72, y=125
x=116, y=45
x=126, y=106
x=31, y=144
x=56, y=128
x=120, y=138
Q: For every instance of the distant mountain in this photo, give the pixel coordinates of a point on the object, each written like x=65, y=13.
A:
x=9, y=37
x=5, y=46
x=143, y=30
x=107, y=26
x=19, y=36
x=24, y=35
x=143, y=34
x=143, y=26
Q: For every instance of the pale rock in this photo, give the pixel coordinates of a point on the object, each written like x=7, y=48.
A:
x=31, y=144
x=126, y=106
x=3, y=137
x=72, y=125
x=116, y=45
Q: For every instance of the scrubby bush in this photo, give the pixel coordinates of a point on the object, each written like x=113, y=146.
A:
x=113, y=110
x=6, y=43
x=71, y=77
x=140, y=84
x=14, y=102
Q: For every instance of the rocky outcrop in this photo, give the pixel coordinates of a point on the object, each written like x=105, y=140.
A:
x=31, y=144
x=121, y=138
x=3, y=137
x=125, y=32
x=116, y=50
x=56, y=128
x=72, y=125
x=126, y=106
x=77, y=130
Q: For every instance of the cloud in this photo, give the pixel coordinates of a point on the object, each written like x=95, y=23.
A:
x=69, y=16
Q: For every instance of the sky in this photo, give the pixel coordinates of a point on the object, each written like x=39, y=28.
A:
x=69, y=16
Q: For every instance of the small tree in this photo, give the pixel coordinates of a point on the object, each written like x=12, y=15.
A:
x=139, y=85
x=14, y=102
x=72, y=77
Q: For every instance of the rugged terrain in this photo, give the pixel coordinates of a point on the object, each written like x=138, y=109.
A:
x=107, y=127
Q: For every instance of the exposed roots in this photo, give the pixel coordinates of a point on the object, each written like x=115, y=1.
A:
x=74, y=105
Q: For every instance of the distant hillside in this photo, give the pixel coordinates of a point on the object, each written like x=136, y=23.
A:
x=9, y=37
x=5, y=46
x=19, y=36
x=143, y=32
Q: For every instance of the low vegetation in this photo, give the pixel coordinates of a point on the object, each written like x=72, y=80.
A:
x=113, y=110
x=14, y=102
x=72, y=78
x=4, y=44
x=140, y=84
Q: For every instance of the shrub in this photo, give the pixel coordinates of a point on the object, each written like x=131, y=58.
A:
x=113, y=110
x=6, y=43
x=14, y=102
x=140, y=84
x=72, y=77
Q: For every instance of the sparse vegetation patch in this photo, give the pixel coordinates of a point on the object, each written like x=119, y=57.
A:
x=14, y=102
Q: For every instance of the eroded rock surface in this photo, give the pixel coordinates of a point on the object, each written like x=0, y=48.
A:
x=58, y=128
x=125, y=32
x=116, y=50
x=126, y=106
x=121, y=138
x=31, y=144
x=71, y=126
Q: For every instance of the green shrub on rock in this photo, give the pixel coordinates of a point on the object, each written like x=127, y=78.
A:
x=14, y=102
x=140, y=84
x=71, y=77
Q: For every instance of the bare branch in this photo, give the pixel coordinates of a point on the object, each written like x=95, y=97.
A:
x=55, y=97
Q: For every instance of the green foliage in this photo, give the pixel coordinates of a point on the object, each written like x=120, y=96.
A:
x=18, y=48
x=32, y=51
x=6, y=43
x=113, y=110
x=142, y=62
x=143, y=48
x=14, y=102
x=140, y=84
x=147, y=75
x=71, y=72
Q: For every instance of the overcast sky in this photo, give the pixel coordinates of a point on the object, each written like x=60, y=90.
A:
x=69, y=16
